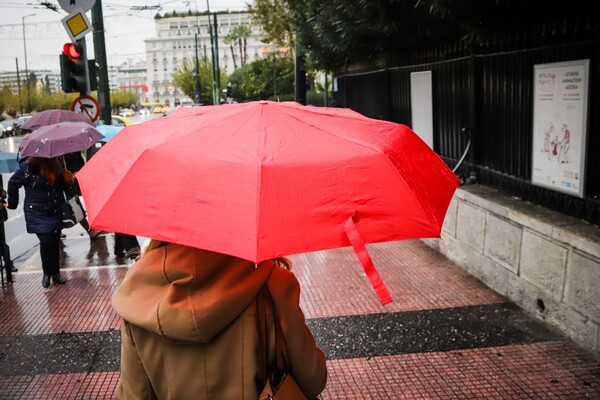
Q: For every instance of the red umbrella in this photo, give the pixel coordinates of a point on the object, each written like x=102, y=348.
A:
x=50, y=117
x=262, y=179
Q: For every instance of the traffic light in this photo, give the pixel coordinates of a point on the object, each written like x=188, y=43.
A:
x=73, y=71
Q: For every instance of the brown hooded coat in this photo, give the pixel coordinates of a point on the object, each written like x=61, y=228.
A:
x=190, y=327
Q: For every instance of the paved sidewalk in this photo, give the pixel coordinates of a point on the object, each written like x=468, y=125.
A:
x=445, y=336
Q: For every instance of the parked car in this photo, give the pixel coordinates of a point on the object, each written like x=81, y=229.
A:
x=18, y=122
x=127, y=112
x=7, y=128
x=119, y=120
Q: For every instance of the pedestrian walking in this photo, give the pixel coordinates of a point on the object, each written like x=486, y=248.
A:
x=45, y=182
x=74, y=162
x=190, y=326
x=126, y=246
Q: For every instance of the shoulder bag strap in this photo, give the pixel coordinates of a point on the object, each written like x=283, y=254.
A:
x=281, y=356
x=262, y=338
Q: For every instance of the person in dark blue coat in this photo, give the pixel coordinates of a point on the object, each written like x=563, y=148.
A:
x=45, y=182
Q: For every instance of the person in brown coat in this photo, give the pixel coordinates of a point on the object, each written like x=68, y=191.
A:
x=190, y=327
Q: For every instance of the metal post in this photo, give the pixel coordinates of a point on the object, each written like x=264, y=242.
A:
x=326, y=88
x=82, y=44
x=19, y=85
x=216, y=68
x=197, y=76
x=26, y=68
x=212, y=48
x=274, y=75
x=300, y=75
x=100, y=56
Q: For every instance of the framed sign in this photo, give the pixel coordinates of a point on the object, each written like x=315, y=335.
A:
x=421, y=105
x=77, y=25
x=560, y=109
x=72, y=5
x=86, y=105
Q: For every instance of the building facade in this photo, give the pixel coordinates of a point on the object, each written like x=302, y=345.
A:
x=133, y=78
x=44, y=77
x=175, y=42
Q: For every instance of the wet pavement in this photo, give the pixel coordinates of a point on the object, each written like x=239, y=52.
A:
x=445, y=336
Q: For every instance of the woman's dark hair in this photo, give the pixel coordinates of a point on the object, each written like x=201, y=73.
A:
x=49, y=168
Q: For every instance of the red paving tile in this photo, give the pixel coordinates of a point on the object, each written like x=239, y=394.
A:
x=509, y=372
x=98, y=386
x=82, y=305
x=418, y=278
x=333, y=284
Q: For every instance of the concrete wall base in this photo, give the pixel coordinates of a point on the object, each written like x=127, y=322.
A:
x=543, y=261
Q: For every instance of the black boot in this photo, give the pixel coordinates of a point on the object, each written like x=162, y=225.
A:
x=58, y=279
x=46, y=281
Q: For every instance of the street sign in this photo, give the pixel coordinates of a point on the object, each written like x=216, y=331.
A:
x=86, y=105
x=72, y=5
x=77, y=24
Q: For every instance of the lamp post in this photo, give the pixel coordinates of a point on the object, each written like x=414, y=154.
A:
x=26, y=68
x=281, y=52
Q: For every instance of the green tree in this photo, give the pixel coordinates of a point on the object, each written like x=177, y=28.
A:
x=9, y=102
x=184, y=79
x=40, y=98
x=259, y=80
x=230, y=39
x=122, y=98
x=341, y=32
x=238, y=35
x=337, y=33
x=276, y=20
x=243, y=32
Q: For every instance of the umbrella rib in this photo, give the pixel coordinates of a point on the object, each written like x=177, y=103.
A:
x=315, y=124
x=259, y=182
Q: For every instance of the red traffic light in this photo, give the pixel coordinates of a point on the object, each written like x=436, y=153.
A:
x=72, y=50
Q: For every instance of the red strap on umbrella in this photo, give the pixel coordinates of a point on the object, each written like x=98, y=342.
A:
x=365, y=259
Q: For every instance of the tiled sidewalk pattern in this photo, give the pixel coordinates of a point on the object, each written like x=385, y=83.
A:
x=333, y=285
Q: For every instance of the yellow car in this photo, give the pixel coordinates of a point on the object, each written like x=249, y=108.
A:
x=118, y=120
x=127, y=112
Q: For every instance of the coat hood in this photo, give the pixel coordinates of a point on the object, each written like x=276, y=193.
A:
x=188, y=294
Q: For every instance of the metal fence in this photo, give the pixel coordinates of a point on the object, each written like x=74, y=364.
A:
x=489, y=91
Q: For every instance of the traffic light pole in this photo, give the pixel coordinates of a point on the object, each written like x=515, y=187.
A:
x=100, y=55
x=81, y=42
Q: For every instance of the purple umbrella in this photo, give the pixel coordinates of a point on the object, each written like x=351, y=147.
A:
x=54, y=116
x=58, y=139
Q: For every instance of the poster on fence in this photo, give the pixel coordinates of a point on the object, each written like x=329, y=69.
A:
x=560, y=108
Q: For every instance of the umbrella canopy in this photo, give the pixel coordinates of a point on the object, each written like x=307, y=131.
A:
x=108, y=131
x=262, y=179
x=58, y=139
x=8, y=162
x=54, y=116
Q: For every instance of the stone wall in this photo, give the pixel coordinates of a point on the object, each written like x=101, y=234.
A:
x=543, y=261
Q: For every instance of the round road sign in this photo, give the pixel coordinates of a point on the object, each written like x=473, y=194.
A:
x=72, y=5
x=86, y=105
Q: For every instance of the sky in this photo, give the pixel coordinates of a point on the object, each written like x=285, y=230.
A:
x=124, y=29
